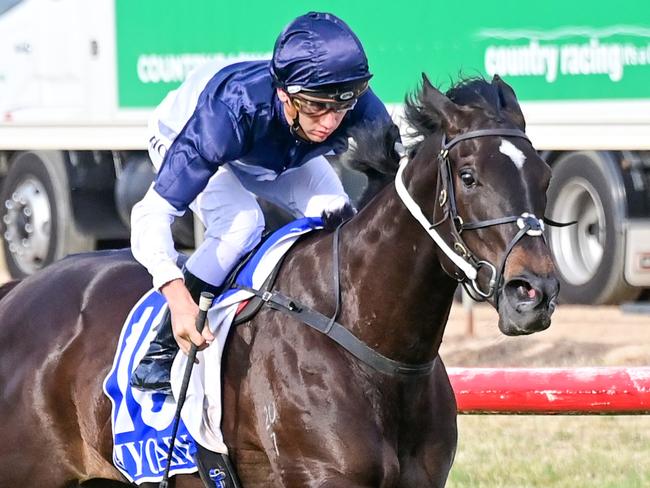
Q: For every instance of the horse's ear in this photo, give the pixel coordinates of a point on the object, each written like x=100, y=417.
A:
x=438, y=101
x=508, y=102
x=425, y=81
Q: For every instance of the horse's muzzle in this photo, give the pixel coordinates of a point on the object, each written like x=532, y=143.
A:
x=526, y=304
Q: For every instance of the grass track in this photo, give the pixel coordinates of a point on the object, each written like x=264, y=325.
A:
x=552, y=451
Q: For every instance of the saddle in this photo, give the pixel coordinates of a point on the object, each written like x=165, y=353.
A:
x=248, y=308
x=133, y=412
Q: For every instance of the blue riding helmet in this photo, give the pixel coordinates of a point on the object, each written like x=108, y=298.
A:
x=318, y=54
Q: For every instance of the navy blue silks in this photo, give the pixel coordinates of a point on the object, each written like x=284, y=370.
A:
x=239, y=117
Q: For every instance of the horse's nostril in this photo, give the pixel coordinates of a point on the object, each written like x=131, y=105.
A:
x=524, y=291
x=529, y=292
x=525, y=295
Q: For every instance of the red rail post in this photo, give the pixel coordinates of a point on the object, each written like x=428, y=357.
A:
x=582, y=391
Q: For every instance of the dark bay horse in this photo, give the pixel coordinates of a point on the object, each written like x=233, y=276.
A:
x=299, y=410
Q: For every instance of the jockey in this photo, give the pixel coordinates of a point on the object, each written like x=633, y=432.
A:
x=229, y=133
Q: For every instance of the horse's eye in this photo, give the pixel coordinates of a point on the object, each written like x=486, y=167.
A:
x=467, y=178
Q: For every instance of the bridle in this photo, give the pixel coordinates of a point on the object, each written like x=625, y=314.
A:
x=459, y=253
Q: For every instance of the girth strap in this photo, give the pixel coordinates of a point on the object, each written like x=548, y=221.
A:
x=339, y=334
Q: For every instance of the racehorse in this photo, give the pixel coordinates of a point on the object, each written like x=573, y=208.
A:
x=299, y=409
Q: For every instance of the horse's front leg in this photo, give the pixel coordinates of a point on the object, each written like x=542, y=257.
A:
x=318, y=450
x=428, y=431
x=317, y=421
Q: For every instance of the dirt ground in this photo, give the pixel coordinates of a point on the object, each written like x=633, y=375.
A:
x=578, y=336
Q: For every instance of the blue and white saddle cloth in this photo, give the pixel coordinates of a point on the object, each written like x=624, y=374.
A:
x=142, y=421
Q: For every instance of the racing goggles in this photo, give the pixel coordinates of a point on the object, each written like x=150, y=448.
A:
x=316, y=108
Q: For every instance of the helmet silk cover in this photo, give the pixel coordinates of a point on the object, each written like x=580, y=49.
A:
x=318, y=52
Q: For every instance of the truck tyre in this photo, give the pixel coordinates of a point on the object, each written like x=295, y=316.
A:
x=37, y=222
x=587, y=187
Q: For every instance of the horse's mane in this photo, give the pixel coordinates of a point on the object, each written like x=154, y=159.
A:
x=373, y=150
x=373, y=153
x=476, y=92
x=424, y=117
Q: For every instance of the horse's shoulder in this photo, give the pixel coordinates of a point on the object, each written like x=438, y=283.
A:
x=307, y=248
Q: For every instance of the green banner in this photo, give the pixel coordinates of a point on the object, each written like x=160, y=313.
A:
x=553, y=50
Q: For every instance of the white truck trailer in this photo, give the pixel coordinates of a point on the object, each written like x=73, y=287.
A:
x=78, y=79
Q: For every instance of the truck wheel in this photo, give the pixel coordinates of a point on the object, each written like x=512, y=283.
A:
x=587, y=187
x=37, y=222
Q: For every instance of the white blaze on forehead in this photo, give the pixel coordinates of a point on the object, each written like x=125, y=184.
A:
x=510, y=150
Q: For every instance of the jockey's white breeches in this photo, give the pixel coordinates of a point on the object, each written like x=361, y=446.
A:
x=234, y=221
x=229, y=210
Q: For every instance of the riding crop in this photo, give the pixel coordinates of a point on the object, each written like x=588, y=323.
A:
x=204, y=304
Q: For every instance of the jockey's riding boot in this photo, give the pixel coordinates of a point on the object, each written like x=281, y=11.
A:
x=215, y=468
x=152, y=374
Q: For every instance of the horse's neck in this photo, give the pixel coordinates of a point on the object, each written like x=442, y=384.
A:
x=396, y=296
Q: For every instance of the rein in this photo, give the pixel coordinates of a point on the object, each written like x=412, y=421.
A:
x=460, y=254
x=469, y=265
x=335, y=331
